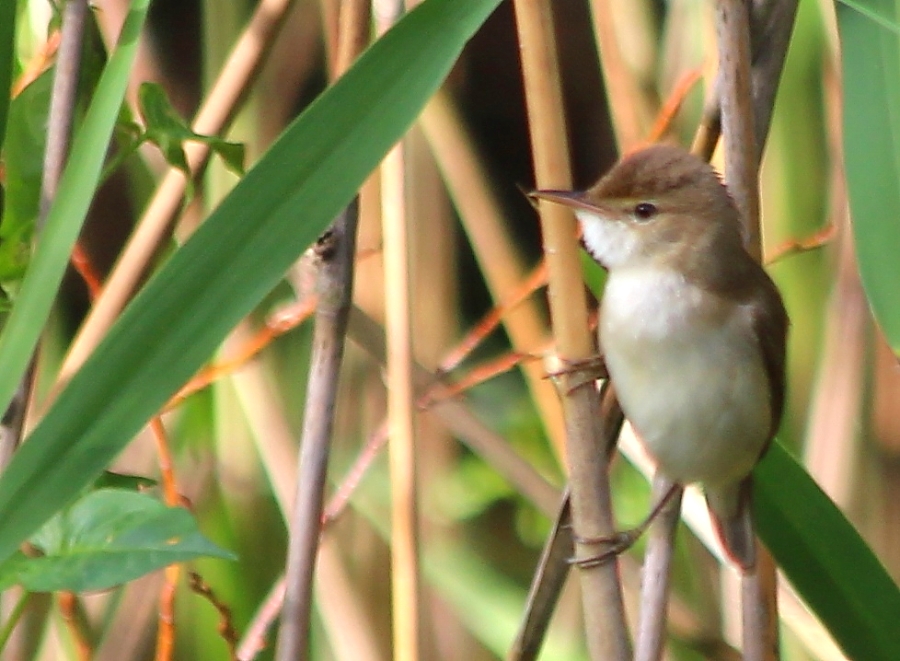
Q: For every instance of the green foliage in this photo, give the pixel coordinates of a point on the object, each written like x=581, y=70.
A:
x=871, y=75
x=826, y=560
x=167, y=130
x=107, y=538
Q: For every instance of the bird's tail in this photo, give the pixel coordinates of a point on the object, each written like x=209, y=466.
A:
x=732, y=517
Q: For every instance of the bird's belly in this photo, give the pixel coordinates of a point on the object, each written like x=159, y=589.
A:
x=693, y=387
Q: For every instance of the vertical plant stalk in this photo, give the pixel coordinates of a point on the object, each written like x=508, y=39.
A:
x=656, y=581
x=215, y=115
x=607, y=633
x=62, y=102
x=758, y=590
x=553, y=568
x=627, y=105
x=405, y=570
x=336, y=250
x=741, y=171
x=405, y=574
x=770, y=35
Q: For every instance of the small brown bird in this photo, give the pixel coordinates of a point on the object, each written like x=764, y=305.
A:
x=692, y=329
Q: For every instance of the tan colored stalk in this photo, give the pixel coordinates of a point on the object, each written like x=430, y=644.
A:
x=405, y=572
x=405, y=569
x=214, y=116
x=627, y=104
x=607, y=634
x=494, y=247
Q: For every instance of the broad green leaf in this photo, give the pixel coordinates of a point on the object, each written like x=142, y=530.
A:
x=7, y=54
x=67, y=214
x=107, y=538
x=166, y=129
x=235, y=258
x=871, y=76
x=826, y=560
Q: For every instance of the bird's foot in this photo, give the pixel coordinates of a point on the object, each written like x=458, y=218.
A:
x=583, y=371
x=618, y=543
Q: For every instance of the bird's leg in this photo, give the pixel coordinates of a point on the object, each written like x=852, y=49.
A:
x=621, y=541
x=584, y=370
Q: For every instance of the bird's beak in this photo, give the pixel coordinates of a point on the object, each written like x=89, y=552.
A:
x=572, y=199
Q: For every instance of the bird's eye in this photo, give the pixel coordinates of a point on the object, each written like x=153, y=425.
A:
x=645, y=210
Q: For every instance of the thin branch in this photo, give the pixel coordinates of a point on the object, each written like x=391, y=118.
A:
x=656, y=581
x=604, y=611
x=336, y=250
x=546, y=586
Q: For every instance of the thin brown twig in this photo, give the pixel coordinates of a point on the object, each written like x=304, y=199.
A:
x=604, y=613
x=276, y=325
x=85, y=268
x=225, y=627
x=666, y=116
x=534, y=281
x=254, y=640
x=366, y=457
x=795, y=246
x=165, y=635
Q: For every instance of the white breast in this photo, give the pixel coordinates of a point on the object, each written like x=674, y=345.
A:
x=691, y=382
